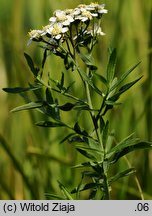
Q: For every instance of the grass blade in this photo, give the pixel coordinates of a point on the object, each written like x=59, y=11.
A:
x=17, y=165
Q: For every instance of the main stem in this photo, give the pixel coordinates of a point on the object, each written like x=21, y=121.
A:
x=106, y=194
x=91, y=107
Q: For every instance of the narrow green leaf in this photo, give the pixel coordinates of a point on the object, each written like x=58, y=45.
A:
x=93, y=143
x=68, y=88
x=50, y=110
x=66, y=138
x=83, y=106
x=112, y=103
x=85, y=164
x=49, y=97
x=111, y=93
x=68, y=61
x=88, y=60
x=101, y=78
x=67, y=107
x=91, y=174
x=76, y=139
x=57, y=111
x=50, y=124
x=119, y=175
x=89, y=149
x=120, y=153
x=77, y=128
x=129, y=85
x=127, y=141
x=89, y=81
x=17, y=90
x=105, y=134
x=38, y=92
x=86, y=154
x=31, y=105
x=123, y=89
x=84, y=76
x=111, y=66
x=94, y=165
x=102, y=124
x=30, y=63
x=123, y=77
x=65, y=191
x=84, y=187
x=44, y=58
x=62, y=80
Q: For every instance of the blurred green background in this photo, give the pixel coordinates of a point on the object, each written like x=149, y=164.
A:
x=31, y=158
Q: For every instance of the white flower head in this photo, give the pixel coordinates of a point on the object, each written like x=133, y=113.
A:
x=76, y=11
x=69, y=11
x=84, y=15
x=35, y=35
x=101, y=10
x=62, y=17
x=97, y=8
x=45, y=30
x=56, y=30
x=61, y=22
x=52, y=19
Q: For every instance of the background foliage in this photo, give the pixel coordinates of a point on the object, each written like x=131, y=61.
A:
x=31, y=158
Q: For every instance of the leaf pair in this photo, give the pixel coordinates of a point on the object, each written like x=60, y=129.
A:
x=126, y=146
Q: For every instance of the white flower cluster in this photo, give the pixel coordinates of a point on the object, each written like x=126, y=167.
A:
x=61, y=22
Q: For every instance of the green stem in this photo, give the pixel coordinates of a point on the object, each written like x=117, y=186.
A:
x=68, y=47
x=91, y=107
x=106, y=195
x=101, y=108
x=64, y=93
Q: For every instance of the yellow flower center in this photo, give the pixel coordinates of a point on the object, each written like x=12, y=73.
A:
x=56, y=30
x=61, y=17
x=87, y=14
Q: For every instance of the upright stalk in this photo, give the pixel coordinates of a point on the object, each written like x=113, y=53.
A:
x=106, y=194
x=91, y=107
